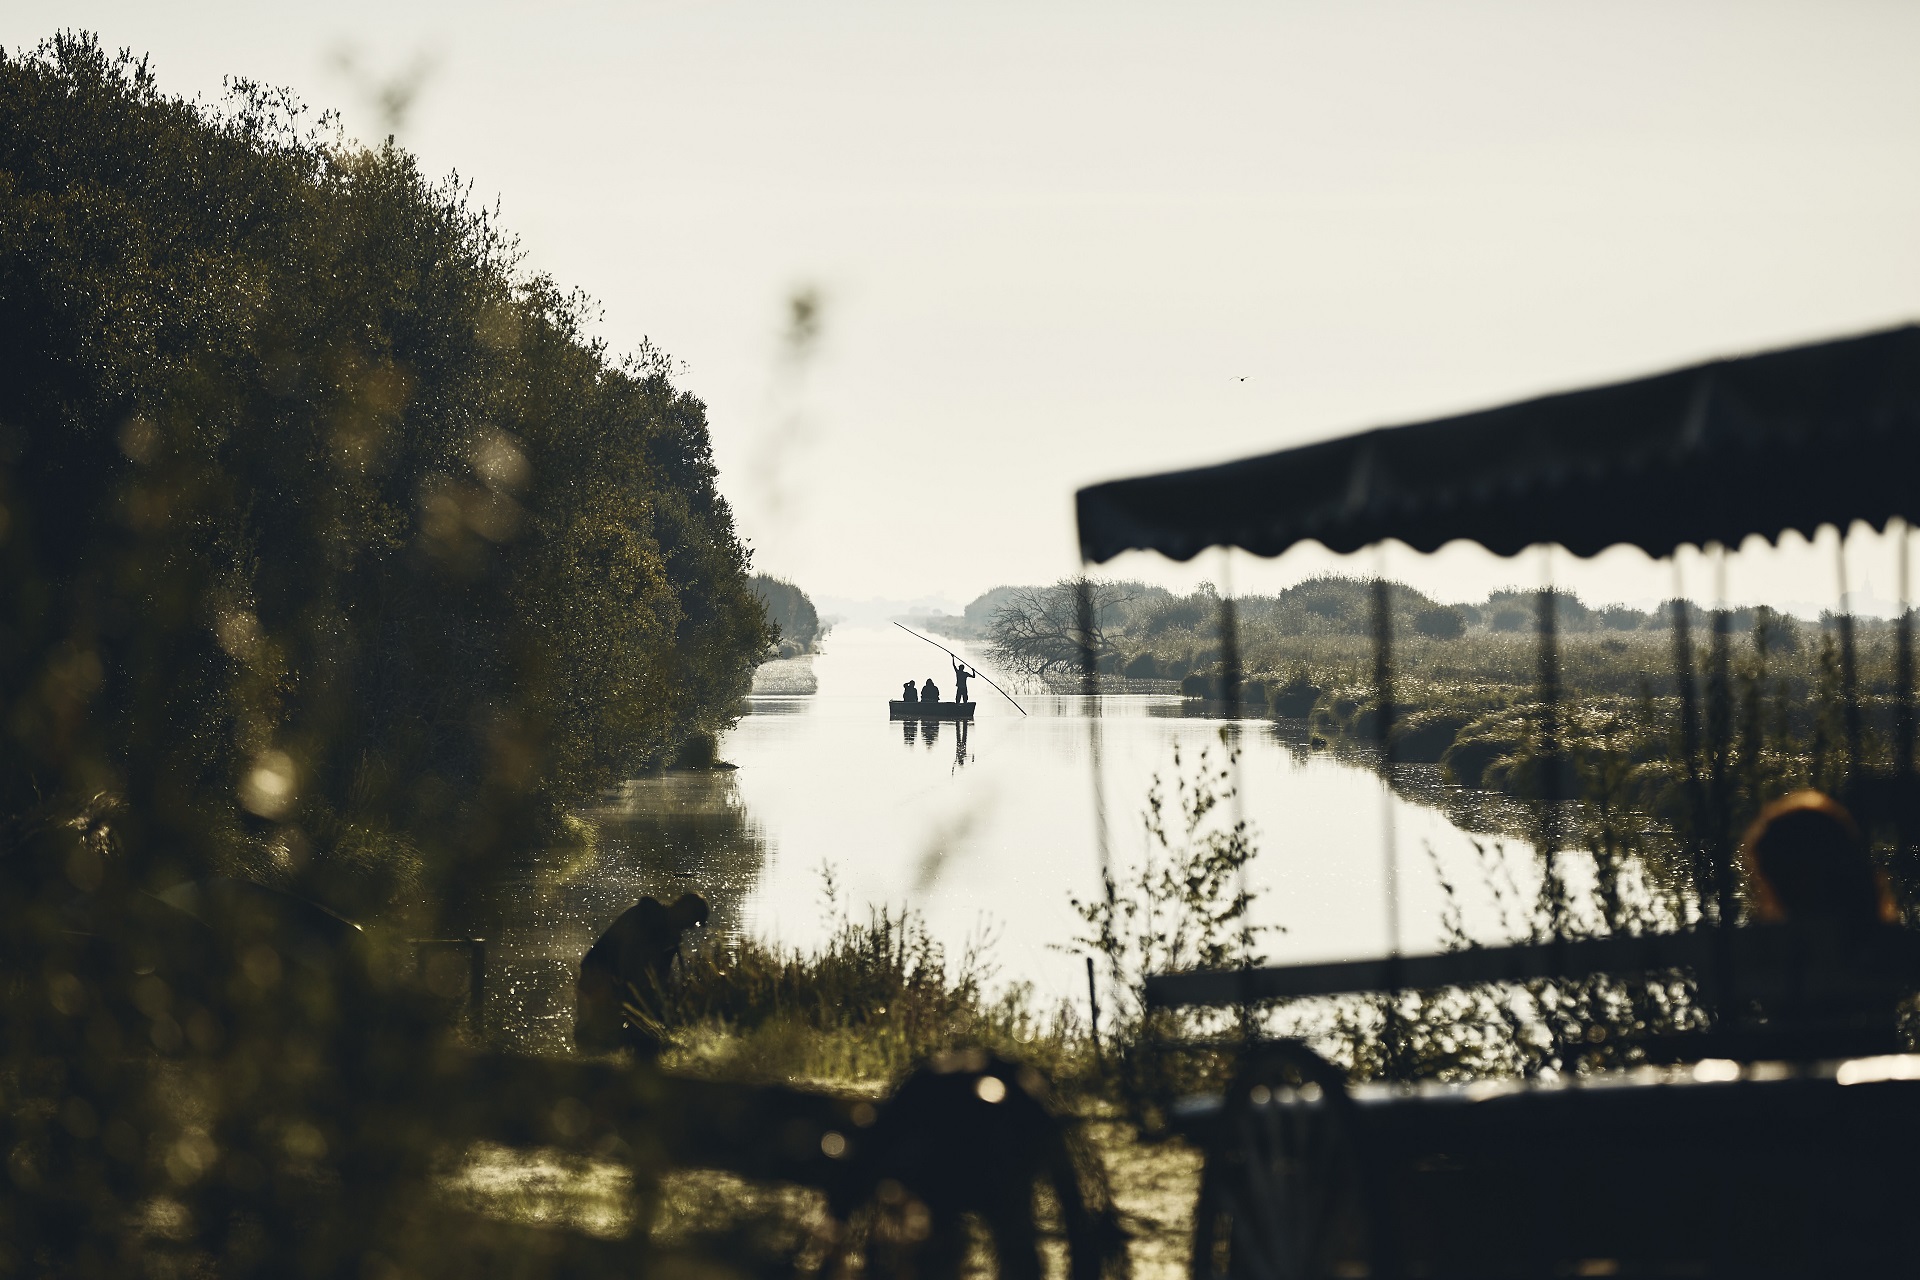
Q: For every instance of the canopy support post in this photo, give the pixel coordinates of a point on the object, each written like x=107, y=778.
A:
x=1231, y=685
x=1719, y=744
x=1712, y=876
x=1383, y=722
x=1903, y=709
x=1089, y=691
x=1706, y=886
x=1907, y=863
x=1230, y=674
x=1849, y=671
x=1548, y=775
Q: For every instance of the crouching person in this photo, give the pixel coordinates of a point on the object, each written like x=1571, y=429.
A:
x=619, y=1001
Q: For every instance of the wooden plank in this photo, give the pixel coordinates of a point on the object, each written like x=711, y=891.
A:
x=1766, y=956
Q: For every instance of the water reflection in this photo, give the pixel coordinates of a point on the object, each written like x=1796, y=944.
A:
x=658, y=836
x=1008, y=834
x=914, y=731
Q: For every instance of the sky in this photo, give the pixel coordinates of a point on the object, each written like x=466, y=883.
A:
x=1053, y=243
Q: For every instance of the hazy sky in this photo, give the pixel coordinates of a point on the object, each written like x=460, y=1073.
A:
x=1051, y=239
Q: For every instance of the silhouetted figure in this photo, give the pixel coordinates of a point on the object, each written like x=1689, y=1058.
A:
x=960, y=674
x=929, y=692
x=1809, y=866
x=908, y=693
x=970, y=1135
x=1809, y=862
x=625, y=973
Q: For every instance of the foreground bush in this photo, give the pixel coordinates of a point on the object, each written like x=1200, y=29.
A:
x=335, y=555
x=332, y=545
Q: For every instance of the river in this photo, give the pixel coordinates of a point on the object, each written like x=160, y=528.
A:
x=985, y=831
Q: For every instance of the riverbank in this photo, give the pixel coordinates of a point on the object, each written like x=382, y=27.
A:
x=1467, y=682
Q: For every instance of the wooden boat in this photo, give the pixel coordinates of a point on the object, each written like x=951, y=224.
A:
x=930, y=710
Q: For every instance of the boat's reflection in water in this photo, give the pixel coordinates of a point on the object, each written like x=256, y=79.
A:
x=912, y=731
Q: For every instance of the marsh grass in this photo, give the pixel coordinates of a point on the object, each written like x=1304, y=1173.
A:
x=879, y=996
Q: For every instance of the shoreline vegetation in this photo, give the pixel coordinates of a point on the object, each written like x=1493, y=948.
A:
x=1467, y=736
x=1466, y=682
x=786, y=668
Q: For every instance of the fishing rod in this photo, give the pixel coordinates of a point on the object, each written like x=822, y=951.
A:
x=957, y=658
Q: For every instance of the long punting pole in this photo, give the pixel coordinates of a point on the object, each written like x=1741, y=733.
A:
x=957, y=658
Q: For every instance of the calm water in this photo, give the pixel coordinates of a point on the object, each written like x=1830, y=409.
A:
x=984, y=830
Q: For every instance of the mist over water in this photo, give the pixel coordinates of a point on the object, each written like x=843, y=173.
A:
x=985, y=829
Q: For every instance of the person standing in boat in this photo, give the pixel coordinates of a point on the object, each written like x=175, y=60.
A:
x=929, y=692
x=960, y=675
x=908, y=694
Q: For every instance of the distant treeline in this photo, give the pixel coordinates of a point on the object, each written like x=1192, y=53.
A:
x=977, y=620
x=791, y=611
x=334, y=548
x=1148, y=632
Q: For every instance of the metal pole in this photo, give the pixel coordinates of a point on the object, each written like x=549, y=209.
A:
x=1719, y=742
x=1705, y=886
x=1849, y=668
x=1906, y=862
x=1383, y=696
x=1549, y=777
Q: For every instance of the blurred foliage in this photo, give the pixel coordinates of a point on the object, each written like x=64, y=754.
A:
x=338, y=556
x=338, y=548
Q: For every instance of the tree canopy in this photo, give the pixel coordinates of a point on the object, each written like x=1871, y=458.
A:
x=335, y=547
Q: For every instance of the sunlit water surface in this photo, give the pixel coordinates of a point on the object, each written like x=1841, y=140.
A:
x=986, y=831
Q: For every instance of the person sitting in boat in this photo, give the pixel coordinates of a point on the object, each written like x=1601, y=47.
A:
x=960, y=674
x=929, y=692
x=908, y=693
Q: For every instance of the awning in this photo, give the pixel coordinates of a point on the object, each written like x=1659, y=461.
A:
x=1789, y=439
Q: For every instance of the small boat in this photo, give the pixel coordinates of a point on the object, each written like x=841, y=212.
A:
x=930, y=710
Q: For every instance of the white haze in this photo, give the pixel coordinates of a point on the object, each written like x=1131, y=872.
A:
x=1060, y=242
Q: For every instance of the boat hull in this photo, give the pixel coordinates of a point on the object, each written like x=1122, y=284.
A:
x=930, y=710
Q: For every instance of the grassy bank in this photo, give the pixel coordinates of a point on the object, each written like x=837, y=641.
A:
x=1770, y=692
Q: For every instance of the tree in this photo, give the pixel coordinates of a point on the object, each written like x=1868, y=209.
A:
x=306, y=482
x=1039, y=631
x=788, y=608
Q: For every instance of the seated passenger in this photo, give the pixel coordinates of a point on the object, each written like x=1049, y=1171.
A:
x=929, y=692
x=1809, y=865
x=908, y=693
x=1808, y=861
